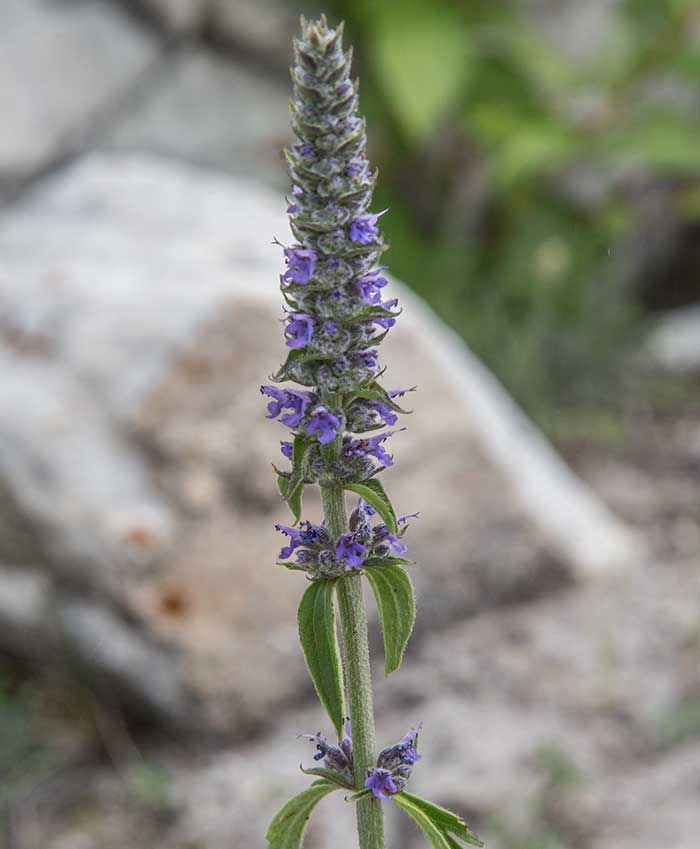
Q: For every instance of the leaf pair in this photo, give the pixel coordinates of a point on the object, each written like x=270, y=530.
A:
x=438, y=824
x=443, y=828
x=317, y=631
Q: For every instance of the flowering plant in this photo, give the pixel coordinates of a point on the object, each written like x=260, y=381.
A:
x=335, y=319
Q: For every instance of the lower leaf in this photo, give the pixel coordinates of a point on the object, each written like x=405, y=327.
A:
x=447, y=820
x=432, y=831
x=286, y=830
x=397, y=610
x=319, y=641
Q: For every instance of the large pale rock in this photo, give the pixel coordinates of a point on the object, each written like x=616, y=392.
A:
x=138, y=314
x=63, y=65
x=237, y=119
x=264, y=27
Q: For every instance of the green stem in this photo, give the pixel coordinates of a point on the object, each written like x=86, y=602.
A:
x=353, y=620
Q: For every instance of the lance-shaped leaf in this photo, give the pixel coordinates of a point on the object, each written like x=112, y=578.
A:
x=286, y=830
x=381, y=562
x=295, y=356
x=432, y=831
x=320, y=644
x=373, y=493
x=291, y=486
x=443, y=818
x=375, y=392
x=397, y=610
x=330, y=775
x=294, y=501
x=362, y=794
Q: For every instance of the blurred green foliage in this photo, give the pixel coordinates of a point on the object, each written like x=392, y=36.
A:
x=481, y=124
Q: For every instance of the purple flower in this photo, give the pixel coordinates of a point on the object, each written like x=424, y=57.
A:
x=360, y=516
x=286, y=449
x=382, y=535
x=409, y=746
x=386, y=414
x=369, y=287
x=364, y=229
x=306, y=150
x=297, y=190
x=330, y=328
x=405, y=752
x=292, y=209
x=287, y=399
x=338, y=757
x=351, y=551
x=388, y=321
x=323, y=422
x=381, y=783
x=394, y=766
x=305, y=534
x=295, y=540
x=301, y=263
x=372, y=446
x=367, y=358
x=299, y=329
x=399, y=393
x=353, y=169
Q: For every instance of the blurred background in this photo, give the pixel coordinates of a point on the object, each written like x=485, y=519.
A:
x=541, y=164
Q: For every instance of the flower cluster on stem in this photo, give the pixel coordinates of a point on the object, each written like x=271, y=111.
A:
x=329, y=393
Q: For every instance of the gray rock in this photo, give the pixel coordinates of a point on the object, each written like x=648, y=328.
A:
x=212, y=111
x=263, y=26
x=138, y=315
x=62, y=67
x=675, y=343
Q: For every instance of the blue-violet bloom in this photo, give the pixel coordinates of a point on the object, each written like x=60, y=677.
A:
x=324, y=423
x=301, y=263
x=299, y=330
x=364, y=229
x=287, y=399
x=351, y=551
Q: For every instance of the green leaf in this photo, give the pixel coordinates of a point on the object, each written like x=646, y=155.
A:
x=447, y=820
x=331, y=775
x=291, y=486
x=362, y=794
x=660, y=140
x=294, y=501
x=320, y=644
x=297, y=355
x=397, y=610
x=423, y=56
x=433, y=832
x=291, y=565
x=377, y=393
x=381, y=562
x=287, y=827
x=373, y=493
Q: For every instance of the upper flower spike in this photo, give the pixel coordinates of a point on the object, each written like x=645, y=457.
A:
x=332, y=279
x=333, y=286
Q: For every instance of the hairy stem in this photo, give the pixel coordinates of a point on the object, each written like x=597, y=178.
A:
x=353, y=620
